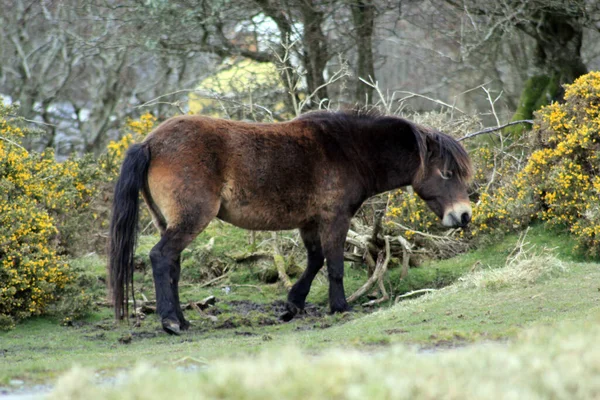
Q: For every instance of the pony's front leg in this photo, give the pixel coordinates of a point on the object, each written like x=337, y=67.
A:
x=315, y=259
x=333, y=239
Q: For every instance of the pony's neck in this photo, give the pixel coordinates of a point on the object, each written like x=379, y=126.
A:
x=393, y=154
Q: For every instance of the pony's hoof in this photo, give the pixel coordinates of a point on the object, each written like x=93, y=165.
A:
x=172, y=328
x=341, y=309
x=185, y=325
x=291, y=311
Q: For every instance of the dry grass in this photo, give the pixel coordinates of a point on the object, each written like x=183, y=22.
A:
x=528, y=270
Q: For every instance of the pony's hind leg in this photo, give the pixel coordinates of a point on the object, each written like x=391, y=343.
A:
x=166, y=267
x=175, y=274
x=315, y=259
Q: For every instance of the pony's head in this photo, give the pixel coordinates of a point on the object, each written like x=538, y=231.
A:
x=443, y=178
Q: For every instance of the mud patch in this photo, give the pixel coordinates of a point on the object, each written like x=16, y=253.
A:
x=144, y=335
x=274, y=309
x=246, y=313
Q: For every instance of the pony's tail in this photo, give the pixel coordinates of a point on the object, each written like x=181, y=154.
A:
x=124, y=226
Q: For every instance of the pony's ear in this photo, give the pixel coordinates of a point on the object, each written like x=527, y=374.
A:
x=432, y=146
x=421, y=140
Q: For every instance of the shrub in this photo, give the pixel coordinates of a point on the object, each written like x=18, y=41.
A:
x=560, y=183
x=32, y=188
x=47, y=210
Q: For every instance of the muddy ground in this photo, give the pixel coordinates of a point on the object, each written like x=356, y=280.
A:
x=243, y=317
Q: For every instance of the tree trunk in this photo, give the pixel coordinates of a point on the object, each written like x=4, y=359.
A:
x=557, y=58
x=315, y=53
x=363, y=16
x=558, y=52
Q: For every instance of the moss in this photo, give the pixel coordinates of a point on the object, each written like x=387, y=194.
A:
x=539, y=90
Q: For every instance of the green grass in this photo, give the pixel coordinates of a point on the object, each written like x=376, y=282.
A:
x=41, y=349
x=558, y=363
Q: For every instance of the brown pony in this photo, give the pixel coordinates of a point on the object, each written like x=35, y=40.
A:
x=311, y=173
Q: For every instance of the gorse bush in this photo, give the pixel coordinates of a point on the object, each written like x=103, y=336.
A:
x=32, y=188
x=408, y=213
x=47, y=209
x=560, y=182
x=135, y=131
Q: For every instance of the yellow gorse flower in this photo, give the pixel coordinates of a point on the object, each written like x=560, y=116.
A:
x=560, y=183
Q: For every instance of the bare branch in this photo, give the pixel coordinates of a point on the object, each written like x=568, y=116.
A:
x=13, y=143
x=495, y=128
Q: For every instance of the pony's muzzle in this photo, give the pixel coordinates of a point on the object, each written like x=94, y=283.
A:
x=458, y=215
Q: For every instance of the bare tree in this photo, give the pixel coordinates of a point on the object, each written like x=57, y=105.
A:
x=69, y=64
x=556, y=28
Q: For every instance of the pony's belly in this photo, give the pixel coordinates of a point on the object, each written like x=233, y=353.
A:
x=260, y=218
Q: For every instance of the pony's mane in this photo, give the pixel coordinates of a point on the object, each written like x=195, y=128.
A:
x=344, y=123
x=452, y=154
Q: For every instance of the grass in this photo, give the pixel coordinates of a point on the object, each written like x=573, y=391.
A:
x=472, y=310
x=562, y=363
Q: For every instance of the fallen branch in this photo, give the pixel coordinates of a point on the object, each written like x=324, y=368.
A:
x=414, y=292
x=249, y=256
x=380, y=270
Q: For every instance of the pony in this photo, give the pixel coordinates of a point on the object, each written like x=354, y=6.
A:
x=311, y=173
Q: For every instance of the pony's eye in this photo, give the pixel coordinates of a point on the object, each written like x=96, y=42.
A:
x=446, y=175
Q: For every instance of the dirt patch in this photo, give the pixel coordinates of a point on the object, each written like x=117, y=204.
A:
x=244, y=333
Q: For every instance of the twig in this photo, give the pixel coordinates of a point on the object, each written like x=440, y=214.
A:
x=428, y=235
x=496, y=128
x=414, y=292
x=13, y=143
x=245, y=285
x=519, y=249
x=440, y=102
x=146, y=227
x=189, y=358
x=31, y=121
x=492, y=103
x=376, y=301
x=218, y=278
